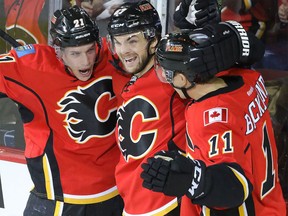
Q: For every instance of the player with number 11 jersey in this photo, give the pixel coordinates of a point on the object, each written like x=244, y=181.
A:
x=227, y=126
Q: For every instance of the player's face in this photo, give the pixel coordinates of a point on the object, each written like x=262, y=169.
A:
x=80, y=60
x=132, y=50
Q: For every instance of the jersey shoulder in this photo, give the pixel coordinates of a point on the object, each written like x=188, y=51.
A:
x=35, y=55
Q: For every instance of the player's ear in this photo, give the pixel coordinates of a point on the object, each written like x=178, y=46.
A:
x=59, y=52
x=180, y=80
x=153, y=45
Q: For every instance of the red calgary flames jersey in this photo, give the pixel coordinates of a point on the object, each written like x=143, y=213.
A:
x=232, y=125
x=69, y=124
x=150, y=119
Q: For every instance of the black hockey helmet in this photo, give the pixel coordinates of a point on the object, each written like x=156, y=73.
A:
x=132, y=17
x=180, y=53
x=73, y=27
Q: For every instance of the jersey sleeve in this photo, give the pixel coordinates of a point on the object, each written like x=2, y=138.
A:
x=24, y=66
x=226, y=186
x=215, y=140
x=8, y=69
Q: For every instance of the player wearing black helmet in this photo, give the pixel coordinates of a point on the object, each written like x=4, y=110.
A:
x=141, y=21
x=134, y=31
x=151, y=114
x=231, y=167
x=69, y=118
x=73, y=29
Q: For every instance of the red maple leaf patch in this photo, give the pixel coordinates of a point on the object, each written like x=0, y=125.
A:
x=214, y=114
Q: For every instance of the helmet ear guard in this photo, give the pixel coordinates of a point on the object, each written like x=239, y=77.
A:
x=149, y=33
x=164, y=75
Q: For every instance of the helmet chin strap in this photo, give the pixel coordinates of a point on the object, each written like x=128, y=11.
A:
x=68, y=70
x=184, y=90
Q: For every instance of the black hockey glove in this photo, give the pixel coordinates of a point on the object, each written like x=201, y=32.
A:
x=174, y=175
x=192, y=14
x=251, y=49
x=223, y=45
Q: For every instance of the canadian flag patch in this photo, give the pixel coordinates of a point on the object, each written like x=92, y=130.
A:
x=217, y=114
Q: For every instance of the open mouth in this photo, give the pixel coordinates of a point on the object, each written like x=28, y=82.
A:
x=85, y=72
x=130, y=60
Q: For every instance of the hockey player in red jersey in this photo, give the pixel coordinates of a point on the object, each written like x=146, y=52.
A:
x=150, y=113
x=69, y=111
x=134, y=31
x=69, y=114
x=231, y=167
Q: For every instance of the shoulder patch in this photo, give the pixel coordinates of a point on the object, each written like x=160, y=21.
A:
x=25, y=50
x=217, y=114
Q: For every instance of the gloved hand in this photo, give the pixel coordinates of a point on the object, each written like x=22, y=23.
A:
x=191, y=14
x=173, y=174
x=251, y=48
x=223, y=45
